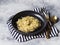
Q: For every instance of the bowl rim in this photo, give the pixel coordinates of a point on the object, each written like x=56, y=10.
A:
x=33, y=33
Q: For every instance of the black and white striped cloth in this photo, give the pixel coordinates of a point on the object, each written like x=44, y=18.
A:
x=23, y=38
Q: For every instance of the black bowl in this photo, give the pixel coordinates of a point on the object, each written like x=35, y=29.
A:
x=29, y=13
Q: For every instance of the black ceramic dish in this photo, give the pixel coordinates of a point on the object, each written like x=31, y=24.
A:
x=29, y=13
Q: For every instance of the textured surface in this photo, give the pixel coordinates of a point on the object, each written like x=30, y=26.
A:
x=11, y=7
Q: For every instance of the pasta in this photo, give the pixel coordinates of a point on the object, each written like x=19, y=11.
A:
x=28, y=24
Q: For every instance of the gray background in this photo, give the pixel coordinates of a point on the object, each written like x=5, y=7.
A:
x=11, y=7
